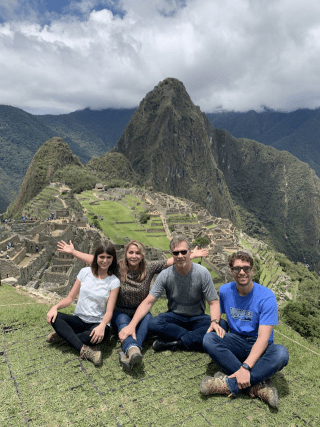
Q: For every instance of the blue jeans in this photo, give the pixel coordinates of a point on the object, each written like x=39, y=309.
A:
x=230, y=351
x=172, y=327
x=120, y=320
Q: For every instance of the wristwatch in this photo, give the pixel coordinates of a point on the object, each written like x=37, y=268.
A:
x=246, y=366
x=215, y=321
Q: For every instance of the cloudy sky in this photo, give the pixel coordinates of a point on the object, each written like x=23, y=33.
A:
x=57, y=56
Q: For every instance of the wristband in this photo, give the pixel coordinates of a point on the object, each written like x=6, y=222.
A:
x=246, y=366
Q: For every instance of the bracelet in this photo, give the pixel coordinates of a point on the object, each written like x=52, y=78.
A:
x=215, y=321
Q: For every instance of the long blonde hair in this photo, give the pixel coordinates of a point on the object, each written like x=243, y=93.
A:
x=124, y=266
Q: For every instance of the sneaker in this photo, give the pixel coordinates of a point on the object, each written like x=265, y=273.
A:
x=134, y=355
x=215, y=385
x=124, y=361
x=54, y=338
x=89, y=353
x=267, y=393
x=160, y=345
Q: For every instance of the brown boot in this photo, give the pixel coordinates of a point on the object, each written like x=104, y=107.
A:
x=267, y=393
x=94, y=356
x=54, y=338
x=134, y=355
x=215, y=385
x=124, y=361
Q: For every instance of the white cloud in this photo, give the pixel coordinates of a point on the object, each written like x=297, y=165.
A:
x=233, y=55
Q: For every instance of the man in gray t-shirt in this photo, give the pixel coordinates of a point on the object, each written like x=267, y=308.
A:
x=188, y=286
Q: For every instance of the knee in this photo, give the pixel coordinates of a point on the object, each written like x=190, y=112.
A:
x=209, y=341
x=155, y=323
x=282, y=355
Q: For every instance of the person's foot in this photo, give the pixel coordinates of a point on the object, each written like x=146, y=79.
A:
x=215, y=385
x=89, y=353
x=160, y=345
x=266, y=392
x=54, y=338
x=124, y=361
x=134, y=355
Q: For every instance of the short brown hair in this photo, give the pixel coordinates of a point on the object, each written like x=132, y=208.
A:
x=243, y=255
x=178, y=239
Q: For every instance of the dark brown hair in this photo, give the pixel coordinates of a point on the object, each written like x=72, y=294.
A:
x=243, y=255
x=108, y=248
x=124, y=266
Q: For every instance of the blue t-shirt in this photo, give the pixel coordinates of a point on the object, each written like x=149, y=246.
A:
x=245, y=314
x=94, y=295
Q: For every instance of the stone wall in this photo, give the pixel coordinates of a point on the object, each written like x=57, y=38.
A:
x=19, y=256
x=13, y=239
x=35, y=264
x=8, y=269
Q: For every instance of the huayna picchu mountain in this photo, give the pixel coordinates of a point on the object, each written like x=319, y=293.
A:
x=270, y=194
x=167, y=144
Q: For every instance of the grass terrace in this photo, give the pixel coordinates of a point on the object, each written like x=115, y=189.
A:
x=48, y=385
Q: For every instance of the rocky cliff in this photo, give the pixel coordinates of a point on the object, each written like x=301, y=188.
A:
x=270, y=194
x=167, y=144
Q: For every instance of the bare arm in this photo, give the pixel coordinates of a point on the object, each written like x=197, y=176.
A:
x=257, y=350
x=141, y=311
x=69, y=249
x=196, y=253
x=215, y=314
x=97, y=333
x=52, y=313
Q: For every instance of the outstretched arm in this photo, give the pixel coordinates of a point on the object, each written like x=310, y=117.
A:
x=69, y=249
x=195, y=253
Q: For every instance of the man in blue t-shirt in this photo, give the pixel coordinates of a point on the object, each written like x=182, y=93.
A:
x=246, y=353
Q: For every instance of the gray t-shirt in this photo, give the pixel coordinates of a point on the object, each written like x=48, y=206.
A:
x=186, y=293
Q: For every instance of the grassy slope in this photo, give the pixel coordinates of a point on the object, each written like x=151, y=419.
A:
x=47, y=385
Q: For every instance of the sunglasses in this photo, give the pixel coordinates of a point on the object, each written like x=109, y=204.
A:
x=176, y=253
x=246, y=269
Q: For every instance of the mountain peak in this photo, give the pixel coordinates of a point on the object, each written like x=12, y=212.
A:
x=167, y=143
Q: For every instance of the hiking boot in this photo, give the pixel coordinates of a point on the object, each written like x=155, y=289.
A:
x=54, y=338
x=160, y=345
x=124, y=361
x=134, y=355
x=215, y=385
x=267, y=393
x=89, y=353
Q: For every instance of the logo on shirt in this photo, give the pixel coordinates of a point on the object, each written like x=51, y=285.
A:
x=240, y=314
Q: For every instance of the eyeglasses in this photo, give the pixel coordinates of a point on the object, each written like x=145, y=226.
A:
x=176, y=253
x=246, y=269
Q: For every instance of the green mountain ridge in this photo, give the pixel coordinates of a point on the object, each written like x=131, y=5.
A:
x=173, y=147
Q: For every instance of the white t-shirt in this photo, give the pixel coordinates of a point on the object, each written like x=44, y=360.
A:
x=94, y=295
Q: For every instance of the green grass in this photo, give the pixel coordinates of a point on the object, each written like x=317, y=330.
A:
x=114, y=212
x=48, y=385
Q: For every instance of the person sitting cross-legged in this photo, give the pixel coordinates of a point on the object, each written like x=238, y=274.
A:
x=188, y=286
x=246, y=354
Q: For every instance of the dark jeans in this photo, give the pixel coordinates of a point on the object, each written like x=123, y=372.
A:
x=172, y=327
x=230, y=351
x=74, y=330
x=120, y=320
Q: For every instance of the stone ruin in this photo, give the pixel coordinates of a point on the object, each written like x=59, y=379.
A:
x=35, y=262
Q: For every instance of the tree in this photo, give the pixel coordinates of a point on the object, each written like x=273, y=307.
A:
x=201, y=241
